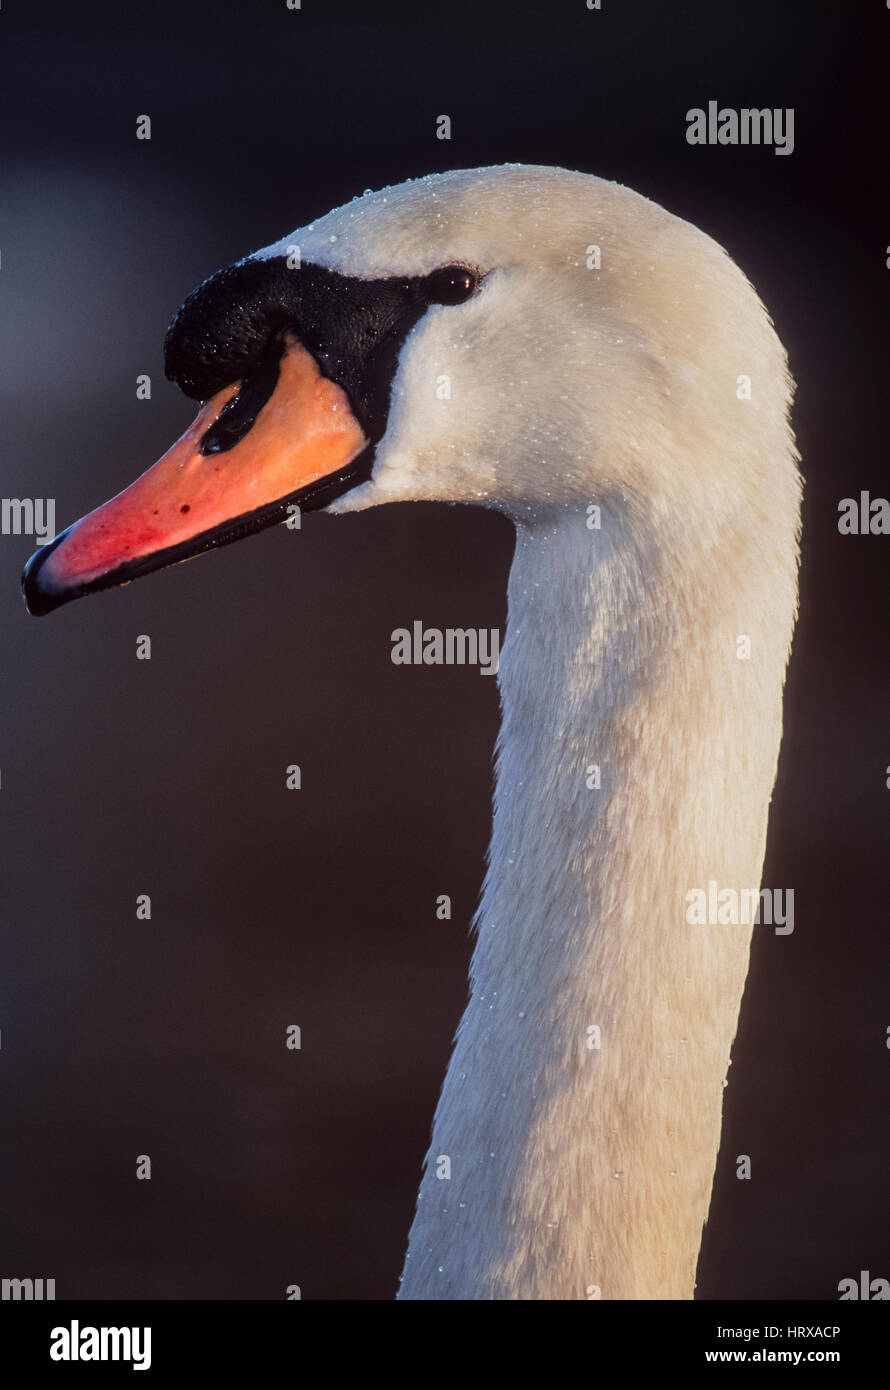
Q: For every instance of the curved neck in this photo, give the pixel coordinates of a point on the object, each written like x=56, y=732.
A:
x=576, y=1135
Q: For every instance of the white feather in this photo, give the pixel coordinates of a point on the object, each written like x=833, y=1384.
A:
x=575, y=1169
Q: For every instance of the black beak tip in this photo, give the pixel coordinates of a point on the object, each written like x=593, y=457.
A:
x=39, y=597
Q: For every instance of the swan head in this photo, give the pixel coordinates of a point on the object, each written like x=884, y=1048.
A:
x=521, y=337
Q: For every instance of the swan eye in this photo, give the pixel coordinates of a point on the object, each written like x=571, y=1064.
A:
x=450, y=284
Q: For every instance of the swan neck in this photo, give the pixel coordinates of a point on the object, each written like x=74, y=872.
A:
x=575, y=1140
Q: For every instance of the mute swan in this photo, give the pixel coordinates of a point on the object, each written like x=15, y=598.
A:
x=575, y=1139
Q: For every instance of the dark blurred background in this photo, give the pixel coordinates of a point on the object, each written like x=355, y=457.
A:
x=166, y=777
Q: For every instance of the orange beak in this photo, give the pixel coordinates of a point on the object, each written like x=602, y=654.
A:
x=301, y=448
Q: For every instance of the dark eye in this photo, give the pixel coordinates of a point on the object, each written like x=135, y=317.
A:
x=450, y=284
